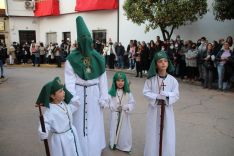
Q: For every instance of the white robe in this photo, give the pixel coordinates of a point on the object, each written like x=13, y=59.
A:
x=63, y=139
x=88, y=120
x=150, y=91
x=124, y=142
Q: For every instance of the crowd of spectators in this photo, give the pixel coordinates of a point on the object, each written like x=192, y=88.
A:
x=209, y=62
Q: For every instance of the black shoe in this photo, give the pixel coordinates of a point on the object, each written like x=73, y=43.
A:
x=137, y=76
x=2, y=77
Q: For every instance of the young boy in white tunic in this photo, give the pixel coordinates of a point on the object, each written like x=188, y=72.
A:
x=160, y=86
x=61, y=134
x=121, y=104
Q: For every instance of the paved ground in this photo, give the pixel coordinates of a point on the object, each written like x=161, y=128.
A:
x=204, y=118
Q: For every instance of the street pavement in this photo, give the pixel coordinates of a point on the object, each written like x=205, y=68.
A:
x=204, y=118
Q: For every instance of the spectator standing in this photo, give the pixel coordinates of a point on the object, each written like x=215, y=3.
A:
x=11, y=54
x=3, y=56
x=37, y=55
x=132, y=51
x=201, y=52
x=224, y=58
x=58, y=55
x=191, y=62
x=208, y=66
x=119, y=49
x=32, y=52
x=42, y=53
x=145, y=57
x=138, y=59
x=152, y=50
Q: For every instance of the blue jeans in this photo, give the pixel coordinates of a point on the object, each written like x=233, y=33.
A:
x=131, y=63
x=120, y=61
x=221, y=84
x=37, y=60
x=1, y=66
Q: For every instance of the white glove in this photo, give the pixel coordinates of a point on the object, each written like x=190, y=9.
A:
x=103, y=105
x=75, y=100
x=125, y=107
x=208, y=56
x=43, y=135
x=112, y=108
x=164, y=93
x=212, y=57
x=161, y=97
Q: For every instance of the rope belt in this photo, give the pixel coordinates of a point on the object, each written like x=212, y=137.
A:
x=62, y=132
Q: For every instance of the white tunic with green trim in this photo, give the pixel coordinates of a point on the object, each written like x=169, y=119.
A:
x=63, y=139
x=150, y=91
x=93, y=96
x=124, y=142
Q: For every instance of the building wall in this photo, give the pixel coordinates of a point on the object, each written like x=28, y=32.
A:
x=67, y=23
x=17, y=8
x=23, y=23
x=6, y=31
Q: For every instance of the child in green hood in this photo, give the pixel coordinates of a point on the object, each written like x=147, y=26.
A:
x=60, y=132
x=160, y=86
x=121, y=104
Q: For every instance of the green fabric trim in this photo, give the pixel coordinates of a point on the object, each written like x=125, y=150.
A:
x=119, y=75
x=153, y=68
x=86, y=62
x=96, y=66
x=50, y=88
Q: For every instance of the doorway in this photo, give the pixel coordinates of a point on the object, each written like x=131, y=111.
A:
x=27, y=36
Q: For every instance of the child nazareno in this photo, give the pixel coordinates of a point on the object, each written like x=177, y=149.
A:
x=121, y=104
x=160, y=89
x=60, y=132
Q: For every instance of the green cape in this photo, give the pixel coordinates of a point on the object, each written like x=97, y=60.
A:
x=119, y=75
x=153, y=68
x=86, y=62
x=50, y=88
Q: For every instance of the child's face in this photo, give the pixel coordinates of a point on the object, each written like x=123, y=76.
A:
x=162, y=64
x=58, y=96
x=120, y=83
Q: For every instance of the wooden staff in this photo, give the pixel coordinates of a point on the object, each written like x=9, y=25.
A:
x=118, y=128
x=43, y=130
x=162, y=103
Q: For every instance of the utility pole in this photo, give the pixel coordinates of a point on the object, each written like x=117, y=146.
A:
x=118, y=22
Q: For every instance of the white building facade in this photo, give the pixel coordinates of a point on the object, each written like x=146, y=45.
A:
x=24, y=26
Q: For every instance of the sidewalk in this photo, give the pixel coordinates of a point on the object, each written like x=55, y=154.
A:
x=30, y=65
x=130, y=72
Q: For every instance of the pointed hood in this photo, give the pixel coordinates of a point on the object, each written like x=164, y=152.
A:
x=83, y=37
x=86, y=62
